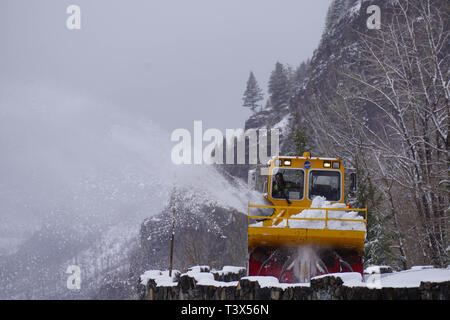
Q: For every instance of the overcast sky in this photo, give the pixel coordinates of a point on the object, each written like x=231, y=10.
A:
x=172, y=61
x=81, y=111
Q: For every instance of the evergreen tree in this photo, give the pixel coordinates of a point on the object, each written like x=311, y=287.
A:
x=279, y=86
x=297, y=76
x=301, y=72
x=298, y=138
x=336, y=11
x=253, y=94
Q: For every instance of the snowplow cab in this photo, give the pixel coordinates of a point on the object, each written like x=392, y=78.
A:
x=306, y=209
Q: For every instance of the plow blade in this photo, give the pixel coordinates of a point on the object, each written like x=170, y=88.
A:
x=287, y=237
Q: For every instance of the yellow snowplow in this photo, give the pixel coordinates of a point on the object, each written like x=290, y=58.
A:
x=306, y=210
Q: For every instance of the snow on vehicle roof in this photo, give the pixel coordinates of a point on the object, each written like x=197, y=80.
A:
x=298, y=157
x=303, y=158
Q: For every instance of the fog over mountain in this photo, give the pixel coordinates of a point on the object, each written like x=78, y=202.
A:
x=73, y=103
x=77, y=169
x=86, y=117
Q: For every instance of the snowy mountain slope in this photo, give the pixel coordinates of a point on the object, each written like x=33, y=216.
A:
x=210, y=226
x=83, y=175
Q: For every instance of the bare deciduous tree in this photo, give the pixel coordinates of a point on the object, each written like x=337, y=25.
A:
x=404, y=142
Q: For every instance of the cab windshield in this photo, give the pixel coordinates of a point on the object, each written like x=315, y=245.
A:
x=287, y=183
x=326, y=184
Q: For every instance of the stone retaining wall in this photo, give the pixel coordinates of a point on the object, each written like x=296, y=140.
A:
x=237, y=287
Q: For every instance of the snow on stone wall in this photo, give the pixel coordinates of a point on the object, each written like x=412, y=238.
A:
x=230, y=283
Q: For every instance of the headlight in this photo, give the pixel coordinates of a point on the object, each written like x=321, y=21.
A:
x=327, y=164
x=287, y=162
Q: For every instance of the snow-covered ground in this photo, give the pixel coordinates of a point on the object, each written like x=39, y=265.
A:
x=400, y=279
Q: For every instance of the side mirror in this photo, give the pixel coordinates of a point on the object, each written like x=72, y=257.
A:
x=353, y=182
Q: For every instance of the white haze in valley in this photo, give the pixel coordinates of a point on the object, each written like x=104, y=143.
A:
x=75, y=161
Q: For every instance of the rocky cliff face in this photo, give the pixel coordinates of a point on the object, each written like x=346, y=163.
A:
x=339, y=51
x=205, y=233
